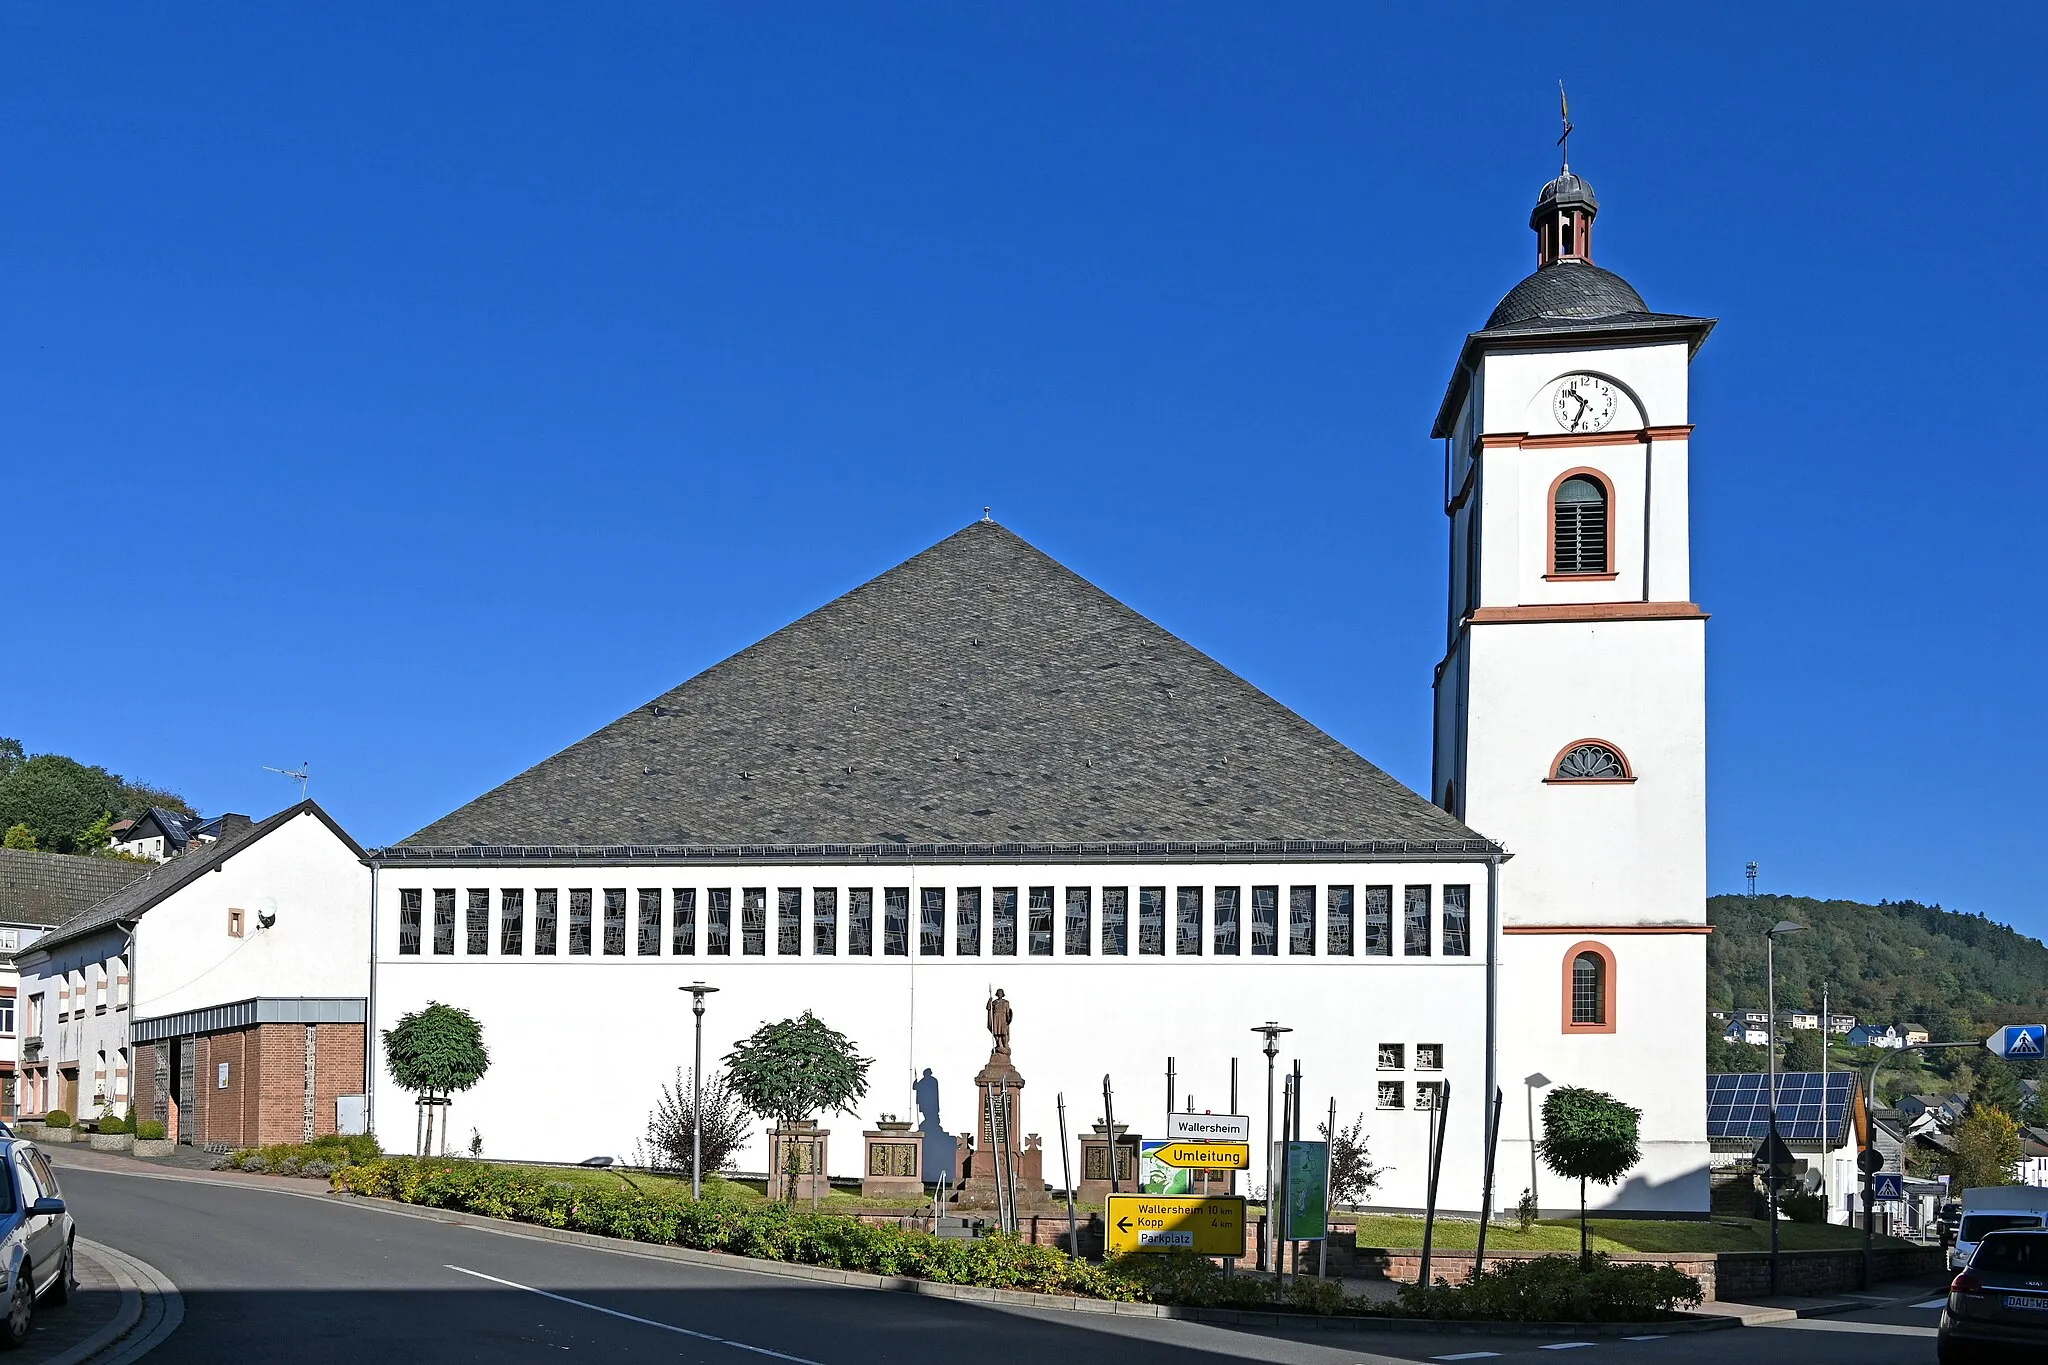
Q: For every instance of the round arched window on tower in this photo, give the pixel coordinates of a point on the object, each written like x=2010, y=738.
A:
x=1590, y=760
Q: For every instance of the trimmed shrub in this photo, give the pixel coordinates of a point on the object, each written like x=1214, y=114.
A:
x=113, y=1123
x=56, y=1118
x=1555, y=1289
x=149, y=1130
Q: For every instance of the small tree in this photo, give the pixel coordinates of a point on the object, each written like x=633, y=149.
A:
x=1802, y=1050
x=1352, y=1173
x=1987, y=1149
x=726, y=1128
x=435, y=1052
x=1589, y=1135
x=22, y=837
x=791, y=1070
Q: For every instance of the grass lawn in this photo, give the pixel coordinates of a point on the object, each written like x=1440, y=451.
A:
x=1614, y=1234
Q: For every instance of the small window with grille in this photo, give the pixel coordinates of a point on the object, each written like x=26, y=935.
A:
x=1265, y=921
x=1589, y=989
x=1301, y=921
x=444, y=923
x=1116, y=910
x=1457, y=921
x=1226, y=920
x=1003, y=925
x=1393, y=1056
x=718, y=924
x=1579, y=528
x=860, y=921
x=408, y=925
x=789, y=921
x=1379, y=921
x=967, y=922
x=931, y=921
x=754, y=921
x=615, y=921
x=1338, y=922
x=512, y=921
x=1041, y=921
x=1080, y=921
x=1187, y=920
x=546, y=904
x=579, y=923
x=896, y=921
x=1429, y=1056
x=1429, y=1094
x=1590, y=761
x=1415, y=925
x=1390, y=1095
x=825, y=921
x=649, y=925
x=476, y=923
x=1151, y=921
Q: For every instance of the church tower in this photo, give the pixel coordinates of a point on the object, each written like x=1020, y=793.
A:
x=1571, y=700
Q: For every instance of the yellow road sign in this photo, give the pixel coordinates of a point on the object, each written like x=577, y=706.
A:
x=1206, y=1156
x=1205, y=1225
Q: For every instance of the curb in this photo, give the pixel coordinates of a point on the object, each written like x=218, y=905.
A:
x=151, y=1309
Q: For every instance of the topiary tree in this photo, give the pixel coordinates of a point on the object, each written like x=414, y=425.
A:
x=789, y=1071
x=435, y=1052
x=1589, y=1135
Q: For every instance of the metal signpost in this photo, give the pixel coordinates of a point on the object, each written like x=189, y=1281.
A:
x=1207, y=1225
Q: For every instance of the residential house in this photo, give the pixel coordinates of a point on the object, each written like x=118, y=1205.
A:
x=1803, y=1019
x=1760, y=1018
x=1913, y=1034
x=224, y=993
x=160, y=835
x=1841, y=1023
x=1871, y=1035
x=2033, y=1156
x=1740, y=1030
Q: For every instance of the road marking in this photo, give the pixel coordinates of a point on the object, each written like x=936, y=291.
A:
x=1564, y=1345
x=1469, y=1355
x=1933, y=1303
x=645, y=1322
x=1658, y=1337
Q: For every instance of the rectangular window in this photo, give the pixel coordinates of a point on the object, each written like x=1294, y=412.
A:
x=1080, y=921
x=444, y=924
x=1429, y=1094
x=1415, y=923
x=1337, y=923
x=1226, y=921
x=1379, y=921
x=579, y=923
x=931, y=921
x=544, y=903
x=1390, y=1095
x=1429, y=1056
x=650, y=922
x=825, y=921
x=896, y=921
x=1003, y=934
x=1041, y=921
x=6, y=1014
x=1265, y=921
x=683, y=933
x=615, y=921
x=1116, y=928
x=860, y=921
x=1457, y=921
x=1301, y=921
x=476, y=923
x=718, y=928
x=789, y=921
x=1393, y=1056
x=967, y=921
x=1187, y=919
x=408, y=930
x=512, y=922
x=754, y=921
x=1151, y=921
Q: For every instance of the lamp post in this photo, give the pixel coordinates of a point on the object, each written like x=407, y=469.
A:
x=698, y=990
x=1272, y=1032
x=1535, y=1080
x=1783, y=926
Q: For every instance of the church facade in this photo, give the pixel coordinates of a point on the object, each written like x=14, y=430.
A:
x=979, y=771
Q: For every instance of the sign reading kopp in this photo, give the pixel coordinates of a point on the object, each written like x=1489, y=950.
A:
x=1205, y=1225
x=1208, y=1128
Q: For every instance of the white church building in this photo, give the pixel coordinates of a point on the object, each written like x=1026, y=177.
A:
x=979, y=770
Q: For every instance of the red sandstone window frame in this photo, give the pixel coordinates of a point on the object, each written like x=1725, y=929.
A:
x=1551, y=573
x=1607, y=974
x=1628, y=769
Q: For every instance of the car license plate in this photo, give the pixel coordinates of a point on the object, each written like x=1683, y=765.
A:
x=2026, y=1301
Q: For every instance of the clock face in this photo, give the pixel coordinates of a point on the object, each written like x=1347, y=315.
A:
x=1584, y=402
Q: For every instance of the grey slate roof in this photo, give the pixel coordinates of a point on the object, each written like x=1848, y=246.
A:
x=160, y=881
x=979, y=696
x=49, y=888
x=1567, y=289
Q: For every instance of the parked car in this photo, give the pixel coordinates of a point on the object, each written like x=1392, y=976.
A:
x=36, y=1236
x=1995, y=1208
x=2000, y=1301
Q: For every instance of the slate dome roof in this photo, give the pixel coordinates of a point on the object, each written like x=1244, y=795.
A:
x=1567, y=289
x=1567, y=189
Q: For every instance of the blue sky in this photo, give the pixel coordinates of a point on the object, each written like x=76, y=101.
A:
x=411, y=393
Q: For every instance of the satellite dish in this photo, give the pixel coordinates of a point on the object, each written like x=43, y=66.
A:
x=266, y=912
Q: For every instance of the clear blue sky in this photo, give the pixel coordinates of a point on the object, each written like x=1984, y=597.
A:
x=413, y=389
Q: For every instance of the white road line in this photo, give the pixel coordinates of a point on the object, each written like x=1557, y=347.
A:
x=1658, y=1337
x=644, y=1322
x=1564, y=1345
x=1469, y=1355
x=1932, y=1303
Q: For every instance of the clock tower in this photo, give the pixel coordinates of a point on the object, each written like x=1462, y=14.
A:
x=1571, y=700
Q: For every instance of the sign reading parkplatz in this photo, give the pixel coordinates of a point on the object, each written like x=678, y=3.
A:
x=1205, y=1225
x=1208, y=1128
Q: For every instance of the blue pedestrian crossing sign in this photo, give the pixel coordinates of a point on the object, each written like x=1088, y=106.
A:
x=2021, y=1042
x=1887, y=1185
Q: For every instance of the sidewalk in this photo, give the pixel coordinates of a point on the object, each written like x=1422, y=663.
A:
x=1787, y=1307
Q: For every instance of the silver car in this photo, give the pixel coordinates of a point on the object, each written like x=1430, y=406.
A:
x=35, y=1238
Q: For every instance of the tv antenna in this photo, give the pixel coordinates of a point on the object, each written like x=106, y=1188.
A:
x=297, y=775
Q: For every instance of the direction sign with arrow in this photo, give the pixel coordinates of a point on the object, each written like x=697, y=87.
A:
x=1208, y=1225
x=2020, y=1042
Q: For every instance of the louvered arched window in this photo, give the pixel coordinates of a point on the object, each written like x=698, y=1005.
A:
x=1579, y=526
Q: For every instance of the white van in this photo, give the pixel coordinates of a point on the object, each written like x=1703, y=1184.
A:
x=1993, y=1209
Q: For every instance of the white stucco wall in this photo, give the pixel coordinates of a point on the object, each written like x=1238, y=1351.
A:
x=582, y=1046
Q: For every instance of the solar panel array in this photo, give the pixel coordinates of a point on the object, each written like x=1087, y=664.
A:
x=1810, y=1105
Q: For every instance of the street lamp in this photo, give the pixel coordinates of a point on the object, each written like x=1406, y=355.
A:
x=1783, y=926
x=1272, y=1031
x=698, y=990
x=1535, y=1080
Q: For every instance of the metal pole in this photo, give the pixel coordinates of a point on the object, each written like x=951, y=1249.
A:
x=1294, y=1127
x=1771, y=1032
x=1067, y=1178
x=1109, y=1125
x=1329, y=1154
x=1486, y=1186
x=995, y=1157
x=1230, y=1262
x=1169, y=1086
x=1278, y=1204
x=1439, y=1128
x=1272, y=1032
x=698, y=990
x=1827, y=1139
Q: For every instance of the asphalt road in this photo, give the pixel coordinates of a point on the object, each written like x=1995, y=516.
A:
x=277, y=1275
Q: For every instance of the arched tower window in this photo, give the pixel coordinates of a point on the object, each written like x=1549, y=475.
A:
x=1590, y=760
x=1578, y=526
x=1588, y=989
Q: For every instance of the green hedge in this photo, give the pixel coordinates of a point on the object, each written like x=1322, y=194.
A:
x=56, y=1118
x=113, y=1124
x=1554, y=1289
x=149, y=1130
x=323, y=1156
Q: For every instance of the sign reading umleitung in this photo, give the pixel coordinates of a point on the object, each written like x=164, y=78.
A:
x=1205, y=1225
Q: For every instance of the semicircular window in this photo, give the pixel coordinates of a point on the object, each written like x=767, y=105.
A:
x=1590, y=763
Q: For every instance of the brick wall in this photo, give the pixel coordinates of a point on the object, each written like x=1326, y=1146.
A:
x=265, y=1098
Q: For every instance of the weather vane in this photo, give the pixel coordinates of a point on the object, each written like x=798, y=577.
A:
x=1564, y=139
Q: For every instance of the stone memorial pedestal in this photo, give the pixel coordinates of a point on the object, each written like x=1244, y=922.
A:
x=1093, y=1187
x=893, y=1168
x=997, y=1085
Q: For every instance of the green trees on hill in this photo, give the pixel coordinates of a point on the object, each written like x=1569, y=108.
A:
x=59, y=805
